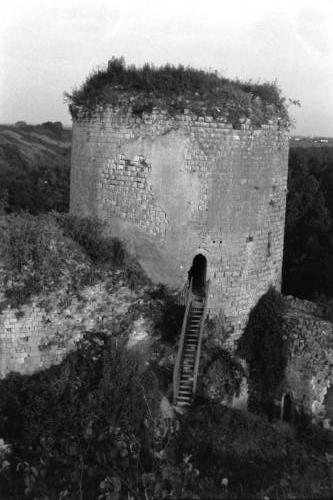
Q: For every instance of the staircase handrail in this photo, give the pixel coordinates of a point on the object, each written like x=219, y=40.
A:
x=182, y=294
x=198, y=353
x=176, y=371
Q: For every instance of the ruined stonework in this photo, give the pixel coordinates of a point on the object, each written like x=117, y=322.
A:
x=175, y=186
x=309, y=373
x=43, y=332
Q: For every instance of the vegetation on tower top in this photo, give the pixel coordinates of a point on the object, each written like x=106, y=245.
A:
x=177, y=88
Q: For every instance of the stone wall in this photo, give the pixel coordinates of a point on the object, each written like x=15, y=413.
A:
x=41, y=333
x=309, y=372
x=176, y=186
x=307, y=335
x=305, y=307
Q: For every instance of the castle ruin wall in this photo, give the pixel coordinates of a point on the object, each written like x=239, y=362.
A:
x=179, y=186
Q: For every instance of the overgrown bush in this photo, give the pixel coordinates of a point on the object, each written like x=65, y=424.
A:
x=264, y=348
x=40, y=253
x=36, y=257
x=77, y=423
x=177, y=88
x=220, y=376
x=89, y=428
x=241, y=456
x=88, y=233
x=170, y=324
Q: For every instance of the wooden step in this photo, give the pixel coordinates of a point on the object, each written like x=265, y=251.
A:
x=184, y=402
x=184, y=391
x=184, y=396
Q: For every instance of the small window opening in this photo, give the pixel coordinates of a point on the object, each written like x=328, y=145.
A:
x=269, y=243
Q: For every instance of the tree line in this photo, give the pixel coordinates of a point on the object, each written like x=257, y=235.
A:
x=308, y=251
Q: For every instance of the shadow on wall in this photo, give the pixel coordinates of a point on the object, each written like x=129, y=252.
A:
x=158, y=262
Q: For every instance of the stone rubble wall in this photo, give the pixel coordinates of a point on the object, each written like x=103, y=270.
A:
x=309, y=372
x=183, y=185
x=40, y=334
x=322, y=311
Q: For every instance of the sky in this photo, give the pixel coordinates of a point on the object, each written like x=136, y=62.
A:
x=48, y=47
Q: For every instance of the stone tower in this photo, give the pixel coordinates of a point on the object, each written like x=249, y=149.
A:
x=184, y=186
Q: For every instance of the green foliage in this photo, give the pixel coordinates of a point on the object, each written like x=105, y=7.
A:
x=77, y=423
x=308, y=262
x=220, y=373
x=37, y=181
x=36, y=256
x=220, y=376
x=89, y=234
x=170, y=324
x=178, y=88
x=264, y=348
x=88, y=428
x=241, y=456
x=42, y=253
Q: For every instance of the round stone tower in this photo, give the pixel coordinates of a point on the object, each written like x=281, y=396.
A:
x=188, y=190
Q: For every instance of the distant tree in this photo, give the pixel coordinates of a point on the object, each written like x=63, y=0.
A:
x=308, y=264
x=20, y=123
x=54, y=126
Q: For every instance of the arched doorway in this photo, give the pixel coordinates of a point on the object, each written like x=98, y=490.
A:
x=198, y=273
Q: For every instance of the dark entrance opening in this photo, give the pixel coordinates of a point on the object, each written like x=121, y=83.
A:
x=328, y=402
x=198, y=274
x=287, y=408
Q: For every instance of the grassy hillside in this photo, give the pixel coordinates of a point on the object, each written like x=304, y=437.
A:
x=34, y=167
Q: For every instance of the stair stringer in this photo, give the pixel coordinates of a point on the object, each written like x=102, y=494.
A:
x=189, y=350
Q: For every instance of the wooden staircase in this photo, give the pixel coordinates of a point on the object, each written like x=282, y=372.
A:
x=188, y=357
